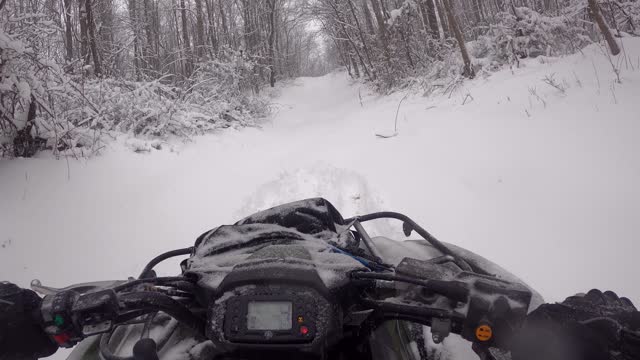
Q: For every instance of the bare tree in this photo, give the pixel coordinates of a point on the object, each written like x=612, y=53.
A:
x=428, y=12
x=199, y=29
x=594, y=9
x=443, y=18
x=272, y=32
x=84, y=37
x=68, y=30
x=367, y=17
x=92, y=38
x=133, y=19
x=468, y=70
x=188, y=65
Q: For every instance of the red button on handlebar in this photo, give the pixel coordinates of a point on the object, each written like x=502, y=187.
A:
x=304, y=330
x=62, y=339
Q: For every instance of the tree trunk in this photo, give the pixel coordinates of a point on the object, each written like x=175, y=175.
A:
x=443, y=19
x=594, y=9
x=453, y=24
x=84, y=39
x=177, y=64
x=362, y=38
x=68, y=32
x=103, y=10
x=346, y=58
x=156, y=34
x=248, y=31
x=278, y=41
x=354, y=65
x=405, y=39
x=149, y=43
x=199, y=29
x=223, y=19
x=185, y=39
x=367, y=17
x=134, y=27
x=213, y=36
x=476, y=11
x=272, y=32
x=480, y=7
x=24, y=144
x=428, y=11
x=343, y=33
x=92, y=39
x=382, y=29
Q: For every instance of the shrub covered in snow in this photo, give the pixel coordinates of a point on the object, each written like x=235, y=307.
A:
x=43, y=106
x=526, y=33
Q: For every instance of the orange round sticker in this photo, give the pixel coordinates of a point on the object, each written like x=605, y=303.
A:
x=484, y=333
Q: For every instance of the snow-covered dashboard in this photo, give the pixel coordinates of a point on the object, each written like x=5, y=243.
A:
x=269, y=308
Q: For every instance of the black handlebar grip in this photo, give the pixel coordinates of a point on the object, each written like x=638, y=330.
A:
x=454, y=290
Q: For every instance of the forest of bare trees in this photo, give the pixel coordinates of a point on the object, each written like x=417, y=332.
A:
x=75, y=70
x=389, y=41
x=153, y=39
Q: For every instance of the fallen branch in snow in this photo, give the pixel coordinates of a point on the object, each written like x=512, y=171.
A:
x=395, y=126
x=453, y=86
x=551, y=81
x=595, y=70
x=464, y=101
x=615, y=68
x=386, y=136
x=613, y=92
x=577, y=79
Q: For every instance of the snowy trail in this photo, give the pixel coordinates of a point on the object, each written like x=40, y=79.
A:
x=534, y=183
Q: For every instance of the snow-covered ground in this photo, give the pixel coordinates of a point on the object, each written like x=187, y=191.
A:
x=541, y=181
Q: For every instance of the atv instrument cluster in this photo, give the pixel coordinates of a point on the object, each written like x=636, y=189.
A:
x=271, y=317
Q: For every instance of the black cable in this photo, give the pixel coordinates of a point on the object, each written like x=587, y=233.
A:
x=126, y=317
x=393, y=310
x=186, y=286
x=454, y=290
x=163, y=281
x=174, y=293
x=456, y=325
x=169, y=254
x=160, y=302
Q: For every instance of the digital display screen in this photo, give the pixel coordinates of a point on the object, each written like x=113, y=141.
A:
x=269, y=315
